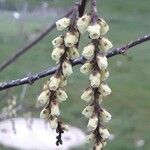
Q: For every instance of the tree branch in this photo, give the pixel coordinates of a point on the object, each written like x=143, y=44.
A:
x=123, y=49
x=30, y=79
x=21, y=51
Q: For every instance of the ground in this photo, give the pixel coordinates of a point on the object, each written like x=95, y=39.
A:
x=129, y=75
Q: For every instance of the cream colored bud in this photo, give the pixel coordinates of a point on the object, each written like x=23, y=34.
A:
x=83, y=23
x=104, y=26
x=62, y=23
x=94, y=31
x=14, y=102
x=93, y=121
x=10, y=107
x=104, y=133
x=54, y=83
x=105, y=116
x=65, y=127
x=98, y=146
x=70, y=39
x=90, y=137
x=88, y=51
x=102, y=62
x=104, y=143
x=85, y=68
x=73, y=52
x=45, y=113
x=87, y=95
x=46, y=86
x=105, y=44
x=63, y=81
x=104, y=74
x=67, y=68
x=57, y=53
x=14, y=112
x=53, y=122
x=100, y=98
x=44, y=97
x=58, y=41
x=55, y=108
x=61, y=95
x=88, y=111
x=95, y=79
x=105, y=90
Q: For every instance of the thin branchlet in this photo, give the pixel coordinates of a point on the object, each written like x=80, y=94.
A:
x=30, y=79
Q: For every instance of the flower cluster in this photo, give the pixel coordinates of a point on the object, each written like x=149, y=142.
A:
x=65, y=49
x=97, y=66
x=10, y=110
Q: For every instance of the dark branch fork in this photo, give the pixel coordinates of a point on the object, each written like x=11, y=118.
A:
x=32, y=78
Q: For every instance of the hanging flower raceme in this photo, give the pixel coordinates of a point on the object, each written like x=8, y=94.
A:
x=65, y=48
x=96, y=65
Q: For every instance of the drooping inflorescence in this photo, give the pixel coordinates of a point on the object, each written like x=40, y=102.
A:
x=65, y=49
x=97, y=66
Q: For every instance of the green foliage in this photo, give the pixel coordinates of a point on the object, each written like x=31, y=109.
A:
x=129, y=74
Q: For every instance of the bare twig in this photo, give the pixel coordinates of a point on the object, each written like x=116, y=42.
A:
x=123, y=49
x=21, y=51
x=30, y=79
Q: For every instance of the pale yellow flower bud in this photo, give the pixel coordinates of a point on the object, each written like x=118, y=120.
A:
x=44, y=97
x=104, y=74
x=58, y=41
x=104, y=133
x=45, y=113
x=70, y=39
x=88, y=51
x=55, y=108
x=88, y=111
x=105, y=90
x=67, y=68
x=62, y=23
x=105, y=44
x=63, y=81
x=46, y=86
x=14, y=102
x=104, y=26
x=95, y=79
x=93, y=121
x=105, y=116
x=94, y=31
x=83, y=23
x=65, y=127
x=53, y=122
x=104, y=143
x=57, y=53
x=98, y=146
x=102, y=62
x=90, y=137
x=85, y=68
x=54, y=83
x=61, y=95
x=87, y=95
x=73, y=52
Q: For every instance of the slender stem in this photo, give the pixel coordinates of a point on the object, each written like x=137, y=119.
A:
x=27, y=47
x=45, y=32
x=126, y=47
x=94, y=11
x=30, y=79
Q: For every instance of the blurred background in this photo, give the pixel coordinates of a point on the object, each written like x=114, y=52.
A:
x=22, y=20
